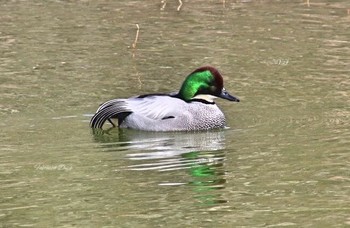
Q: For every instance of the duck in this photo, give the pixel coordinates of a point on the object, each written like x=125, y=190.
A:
x=192, y=108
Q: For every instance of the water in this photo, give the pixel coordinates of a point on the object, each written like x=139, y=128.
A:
x=284, y=161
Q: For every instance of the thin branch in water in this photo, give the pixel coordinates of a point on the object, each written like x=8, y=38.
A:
x=180, y=5
x=136, y=37
x=308, y=3
x=163, y=2
x=139, y=80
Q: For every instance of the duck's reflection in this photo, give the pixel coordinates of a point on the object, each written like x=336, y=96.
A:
x=201, y=153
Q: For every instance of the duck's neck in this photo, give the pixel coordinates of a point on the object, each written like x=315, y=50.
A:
x=193, y=83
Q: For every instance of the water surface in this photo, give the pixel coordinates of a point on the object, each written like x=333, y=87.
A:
x=284, y=161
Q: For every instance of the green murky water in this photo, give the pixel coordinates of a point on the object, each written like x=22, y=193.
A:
x=284, y=161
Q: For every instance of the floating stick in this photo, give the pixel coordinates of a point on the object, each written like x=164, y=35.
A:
x=163, y=2
x=136, y=37
x=180, y=4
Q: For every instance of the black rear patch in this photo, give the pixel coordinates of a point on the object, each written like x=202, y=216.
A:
x=121, y=117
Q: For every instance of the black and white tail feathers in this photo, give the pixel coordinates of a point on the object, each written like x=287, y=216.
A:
x=111, y=109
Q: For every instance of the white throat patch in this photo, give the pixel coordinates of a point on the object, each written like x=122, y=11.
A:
x=206, y=97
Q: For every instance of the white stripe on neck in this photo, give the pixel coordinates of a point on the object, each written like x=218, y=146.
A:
x=206, y=97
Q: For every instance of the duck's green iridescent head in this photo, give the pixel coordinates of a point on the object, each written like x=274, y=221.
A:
x=204, y=83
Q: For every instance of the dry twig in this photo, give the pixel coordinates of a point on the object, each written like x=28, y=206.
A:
x=180, y=5
x=163, y=2
x=136, y=37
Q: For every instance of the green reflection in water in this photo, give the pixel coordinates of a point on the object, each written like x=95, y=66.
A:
x=173, y=152
x=207, y=178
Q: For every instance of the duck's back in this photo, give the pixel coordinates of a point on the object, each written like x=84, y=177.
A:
x=168, y=113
